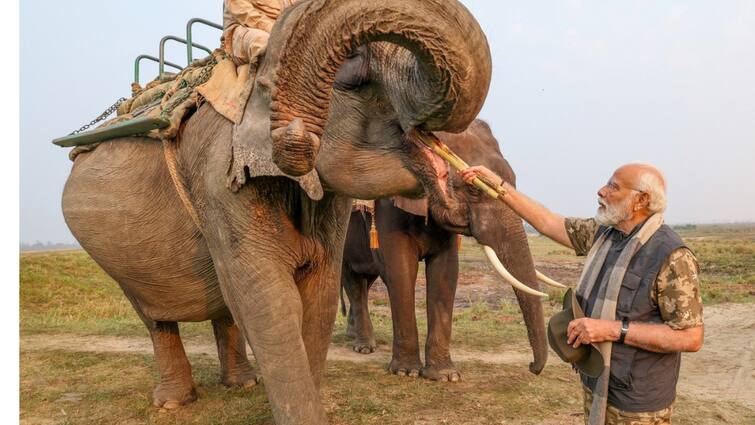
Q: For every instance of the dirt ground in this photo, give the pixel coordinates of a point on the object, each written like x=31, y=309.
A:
x=724, y=370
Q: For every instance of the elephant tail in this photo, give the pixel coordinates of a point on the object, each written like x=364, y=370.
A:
x=343, y=304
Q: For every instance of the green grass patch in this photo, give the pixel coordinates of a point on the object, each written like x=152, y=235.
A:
x=68, y=292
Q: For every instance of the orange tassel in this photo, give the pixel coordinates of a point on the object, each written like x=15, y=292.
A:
x=374, y=243
x=458, y=243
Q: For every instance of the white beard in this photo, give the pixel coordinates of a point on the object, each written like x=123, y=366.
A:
x=611, y=215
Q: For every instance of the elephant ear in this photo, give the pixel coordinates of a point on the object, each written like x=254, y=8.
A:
x=257, y=150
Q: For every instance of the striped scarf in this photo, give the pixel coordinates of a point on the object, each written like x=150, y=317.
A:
x=605, y=304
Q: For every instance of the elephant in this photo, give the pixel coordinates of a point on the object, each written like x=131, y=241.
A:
x=251, y=236
x=405, y=239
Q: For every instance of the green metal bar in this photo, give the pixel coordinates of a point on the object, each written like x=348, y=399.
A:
x=127, y=128
x=152, y=58
x=180, y=40
x=189, y=43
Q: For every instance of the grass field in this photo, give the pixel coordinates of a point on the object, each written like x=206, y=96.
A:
x=65, y=296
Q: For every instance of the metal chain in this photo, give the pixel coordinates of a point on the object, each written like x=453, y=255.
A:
x=101, y=117
x=203, y=76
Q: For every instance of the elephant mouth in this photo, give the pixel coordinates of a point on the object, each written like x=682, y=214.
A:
x=432, y=170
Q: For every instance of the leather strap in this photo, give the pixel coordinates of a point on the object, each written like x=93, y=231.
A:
x=624, y=330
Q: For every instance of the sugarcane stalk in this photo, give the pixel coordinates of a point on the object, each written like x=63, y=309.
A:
x=446, y=153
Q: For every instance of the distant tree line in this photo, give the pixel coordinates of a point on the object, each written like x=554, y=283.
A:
x=48, y=246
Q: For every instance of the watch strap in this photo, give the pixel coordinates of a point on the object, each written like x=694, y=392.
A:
x=624, y=330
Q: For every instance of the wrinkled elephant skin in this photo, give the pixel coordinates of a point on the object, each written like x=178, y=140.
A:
x=263, y=260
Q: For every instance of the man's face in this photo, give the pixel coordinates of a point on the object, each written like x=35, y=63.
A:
x=616, y=201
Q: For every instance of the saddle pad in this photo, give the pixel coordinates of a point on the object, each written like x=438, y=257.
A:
x=228, y=89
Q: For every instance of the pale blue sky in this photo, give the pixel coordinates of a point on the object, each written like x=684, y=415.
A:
x=579, y=87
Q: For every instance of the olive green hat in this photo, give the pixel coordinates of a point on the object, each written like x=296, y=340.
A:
x=586, y=358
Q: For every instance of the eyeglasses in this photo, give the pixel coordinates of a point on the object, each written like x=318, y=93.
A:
x=614, y=187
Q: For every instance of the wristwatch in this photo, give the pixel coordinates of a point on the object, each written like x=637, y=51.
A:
x=624, y=330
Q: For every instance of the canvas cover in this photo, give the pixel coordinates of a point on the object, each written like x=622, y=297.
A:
x=227, y=88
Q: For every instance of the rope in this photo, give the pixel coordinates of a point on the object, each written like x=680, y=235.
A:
x=169, y=149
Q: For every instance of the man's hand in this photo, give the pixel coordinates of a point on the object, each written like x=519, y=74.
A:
x=541, y=218
x=589, y=331
x=483, y=173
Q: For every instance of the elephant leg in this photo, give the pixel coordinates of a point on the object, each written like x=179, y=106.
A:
x=351, y=329
x=265, y=302
x=400, y=278
x=319, y=296
x=235, y=370
x=176, y=386
x=359, y=326
x=442, y=272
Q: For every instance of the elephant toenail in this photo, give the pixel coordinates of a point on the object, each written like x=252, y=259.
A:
x=171, y=404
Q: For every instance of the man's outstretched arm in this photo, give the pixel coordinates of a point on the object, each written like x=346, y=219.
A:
x=541, y=218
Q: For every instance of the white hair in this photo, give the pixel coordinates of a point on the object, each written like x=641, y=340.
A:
x=652, y=182
x=613, y=214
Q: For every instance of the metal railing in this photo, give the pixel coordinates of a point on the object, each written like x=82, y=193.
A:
x=180, y=40
x=188, y=41
x=153, y=59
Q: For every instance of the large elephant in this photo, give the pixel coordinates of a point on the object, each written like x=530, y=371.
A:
x=405, y=239
x=332, y=120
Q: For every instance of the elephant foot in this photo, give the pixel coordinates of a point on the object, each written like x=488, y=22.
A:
x=173, y=395
x=364, y=347
x=446, y=372
x=246, y=377
x=405, y=368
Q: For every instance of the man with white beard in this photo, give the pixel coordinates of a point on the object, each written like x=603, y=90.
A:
x=639, y=291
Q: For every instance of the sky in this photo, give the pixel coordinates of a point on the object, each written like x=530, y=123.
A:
x=578, y=88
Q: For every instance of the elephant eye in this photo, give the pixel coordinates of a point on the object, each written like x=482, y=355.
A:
x=354, y=72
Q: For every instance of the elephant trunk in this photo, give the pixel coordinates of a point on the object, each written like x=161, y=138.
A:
x=312, y=39
x=513, y=251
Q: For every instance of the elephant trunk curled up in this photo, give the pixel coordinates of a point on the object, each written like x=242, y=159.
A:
x=438, y=87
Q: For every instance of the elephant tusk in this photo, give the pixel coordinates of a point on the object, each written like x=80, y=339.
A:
x=508, y=277
x=548, y=281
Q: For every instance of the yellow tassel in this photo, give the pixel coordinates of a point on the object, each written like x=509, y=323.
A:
x=374, y=243
x=458, y=243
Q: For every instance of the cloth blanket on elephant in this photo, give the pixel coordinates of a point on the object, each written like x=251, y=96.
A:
x=363, y=205
x=174, y=97
x=412, y=206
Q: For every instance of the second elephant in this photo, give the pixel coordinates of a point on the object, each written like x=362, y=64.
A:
x=405, y=239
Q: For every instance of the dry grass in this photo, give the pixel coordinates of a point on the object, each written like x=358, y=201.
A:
x=59, y=387
x=726, y=254
x=68, y=293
